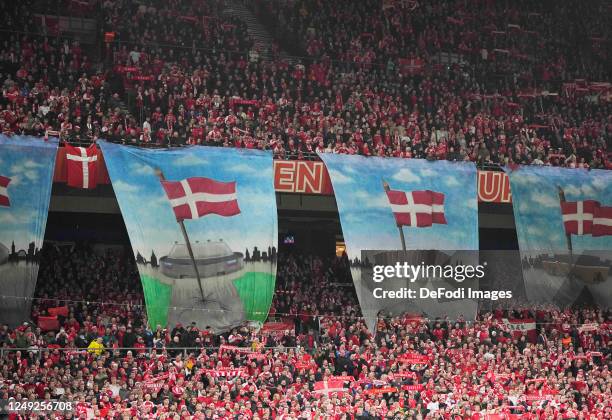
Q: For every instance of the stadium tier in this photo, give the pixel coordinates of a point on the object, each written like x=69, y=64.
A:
x=305, y=209
x=408, y=84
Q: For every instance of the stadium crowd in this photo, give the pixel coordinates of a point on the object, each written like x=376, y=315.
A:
x=329, y=366
x=491, y=82
x=528, y=85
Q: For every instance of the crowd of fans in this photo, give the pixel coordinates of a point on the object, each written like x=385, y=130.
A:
x=328, y=366
x=102, y=288
x=492, y=82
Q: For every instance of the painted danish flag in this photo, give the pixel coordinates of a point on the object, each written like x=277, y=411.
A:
x=602, y=221
x=327, y=387
x=4, y=197
x=195, y=197
x=417, y=208
x=578, y=216
x=81, y=166
x=586, y=217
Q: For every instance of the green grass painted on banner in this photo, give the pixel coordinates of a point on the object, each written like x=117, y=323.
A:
x=255, y=291
x=157, y=298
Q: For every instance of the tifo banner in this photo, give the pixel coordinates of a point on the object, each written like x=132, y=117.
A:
x=564, y=227
x=26, y=171
x=203, y=226
x=407, y=213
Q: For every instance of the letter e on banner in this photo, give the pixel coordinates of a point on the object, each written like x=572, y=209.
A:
x=284, y=179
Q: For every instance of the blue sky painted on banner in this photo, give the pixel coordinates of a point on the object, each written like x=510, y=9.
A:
x=29, y=162
x=537, y=211
x=147, y=212
x=365, y=214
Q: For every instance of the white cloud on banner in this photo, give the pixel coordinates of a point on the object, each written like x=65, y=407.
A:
x=190, y=160
x=428, y=172
x=544, y=200
x=122, y=186
x=251, y=171
x=8, y=217
x=339, y=178
x=366, y=200
x=28, y=169
x=141, y=169
x=452, y=182
x=406, y=175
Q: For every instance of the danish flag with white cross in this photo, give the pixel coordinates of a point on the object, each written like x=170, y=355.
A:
x=195, y=197
x=586, y=217
x=417, y=208
x=4, y=197
x=328, y=387
x=81, y=164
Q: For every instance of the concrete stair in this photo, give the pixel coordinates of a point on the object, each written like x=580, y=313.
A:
x=258, y=33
